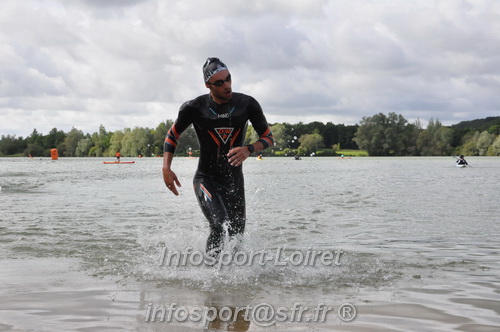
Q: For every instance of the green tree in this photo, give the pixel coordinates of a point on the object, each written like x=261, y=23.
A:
x=370, y=134
x=251, y=135
x=35, y=138
x=302, y=151
x=469, y=148
x=71, y=142
x=10, y=144
x=383, y=135
x=494, y=129
x=136, y=142
x=188, y=139
x=346, y=136
x=311, y=142
x=115, y=143
x=54, y=139
x=159, y=136
x=494, y=149
x=484, y=141
x=279, y=134
x=83, y=147
x=316, y=127
x=297, y=131
x=290, y=138
x=412, y=132
x=101, y=142
x=130, y=146
x=35, y=150
x=34, y=144
x=478, y=144
x=435, y=140
x=331, y=134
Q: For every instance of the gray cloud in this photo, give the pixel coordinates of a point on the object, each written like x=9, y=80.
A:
x=128, y=63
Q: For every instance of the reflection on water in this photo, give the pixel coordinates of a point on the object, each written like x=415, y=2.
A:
x=227, y=315
x=413, y=230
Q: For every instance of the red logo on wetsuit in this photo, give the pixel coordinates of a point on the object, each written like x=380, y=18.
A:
x=224, y=133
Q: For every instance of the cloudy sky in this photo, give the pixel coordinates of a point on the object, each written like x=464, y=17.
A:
x=126, y=63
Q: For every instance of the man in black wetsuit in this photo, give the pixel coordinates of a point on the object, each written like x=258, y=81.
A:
x=461, y=160
x=220, y=121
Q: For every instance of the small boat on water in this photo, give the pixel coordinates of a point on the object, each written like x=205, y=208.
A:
x=461, y=163
x=118, y=162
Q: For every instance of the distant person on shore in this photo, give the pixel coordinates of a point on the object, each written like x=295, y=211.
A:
x=462, y=161
x=118, y=155
x=220, y=120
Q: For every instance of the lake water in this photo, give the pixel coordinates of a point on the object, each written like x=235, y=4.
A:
x=411, y=244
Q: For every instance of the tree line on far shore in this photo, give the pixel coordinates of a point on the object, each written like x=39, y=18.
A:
x=393, y=135
x=379, y=135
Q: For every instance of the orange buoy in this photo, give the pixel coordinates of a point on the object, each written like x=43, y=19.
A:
x=54, y=154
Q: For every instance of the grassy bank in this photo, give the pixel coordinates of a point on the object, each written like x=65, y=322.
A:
x=14, y=155
x=352, y=153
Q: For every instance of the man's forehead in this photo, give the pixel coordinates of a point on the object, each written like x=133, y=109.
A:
x=221, y=75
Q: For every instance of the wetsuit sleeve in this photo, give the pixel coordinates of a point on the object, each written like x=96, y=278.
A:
x=182, y=123
x=260, y=125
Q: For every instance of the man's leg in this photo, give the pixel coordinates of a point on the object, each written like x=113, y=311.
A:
x=213, y=207
x=236, y=212
x=235, y=206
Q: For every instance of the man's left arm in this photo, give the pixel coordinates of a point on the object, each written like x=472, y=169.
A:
x=239, y=154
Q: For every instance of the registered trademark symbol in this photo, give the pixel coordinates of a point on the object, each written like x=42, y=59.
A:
x=347, y=312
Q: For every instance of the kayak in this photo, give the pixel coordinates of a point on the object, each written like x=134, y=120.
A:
x=118, y=162
x=460, y=165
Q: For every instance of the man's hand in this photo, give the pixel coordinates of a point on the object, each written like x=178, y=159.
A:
x=238, y=155
x=171, y=180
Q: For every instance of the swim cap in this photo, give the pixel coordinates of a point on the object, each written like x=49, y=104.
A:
x=211, y=67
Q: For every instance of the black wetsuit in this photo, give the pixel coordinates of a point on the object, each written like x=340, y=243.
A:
x=219, y=187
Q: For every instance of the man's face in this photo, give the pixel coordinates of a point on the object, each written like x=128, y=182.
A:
x=223, y=92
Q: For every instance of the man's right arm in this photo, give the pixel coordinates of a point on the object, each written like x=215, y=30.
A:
x=169, y=176
x=183, y=121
